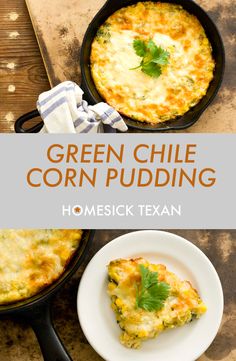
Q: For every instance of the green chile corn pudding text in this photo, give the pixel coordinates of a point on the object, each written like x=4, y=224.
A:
x=73, y=165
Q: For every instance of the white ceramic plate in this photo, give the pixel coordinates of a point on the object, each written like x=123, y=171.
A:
x=98, y=322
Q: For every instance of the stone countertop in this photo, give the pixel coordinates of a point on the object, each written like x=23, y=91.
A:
x=18, y=342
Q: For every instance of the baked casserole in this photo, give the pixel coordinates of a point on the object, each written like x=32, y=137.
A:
x=33, y=259
x=184, y=79
x=171, y=304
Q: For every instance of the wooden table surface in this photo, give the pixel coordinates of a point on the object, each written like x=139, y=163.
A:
x=22, y=73
x=18, y=342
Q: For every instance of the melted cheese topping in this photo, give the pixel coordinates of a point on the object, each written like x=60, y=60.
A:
x=183, y=82
x=181, y=307
x=32, y=259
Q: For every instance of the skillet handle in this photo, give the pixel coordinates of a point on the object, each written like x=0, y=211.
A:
x=50, y=343
x=108, y=129
x=19, y=124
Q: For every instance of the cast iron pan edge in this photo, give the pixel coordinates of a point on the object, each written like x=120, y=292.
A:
x=36, y=310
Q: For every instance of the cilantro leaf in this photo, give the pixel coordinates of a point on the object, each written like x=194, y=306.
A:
x=147, y=304
x=153, y=57
x=160, y=56
x=160, y=291
x=150, y=293
x=148, y=278
x=139, y=47
x=151, y=47
x=151, y=69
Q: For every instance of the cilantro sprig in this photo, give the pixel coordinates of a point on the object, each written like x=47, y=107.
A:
x=150, y=293
x=153, y=57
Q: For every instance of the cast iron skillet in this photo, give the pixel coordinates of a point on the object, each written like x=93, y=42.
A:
x=36, y=310
x=192, y=115
x=92, y=96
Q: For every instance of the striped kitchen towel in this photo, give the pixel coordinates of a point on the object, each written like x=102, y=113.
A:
x=63, y=110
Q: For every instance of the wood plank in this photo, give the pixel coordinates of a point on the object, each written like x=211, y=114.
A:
x=22, y=72
x=61, y=49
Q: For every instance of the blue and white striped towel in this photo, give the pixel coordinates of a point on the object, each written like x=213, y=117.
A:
x=63, y=110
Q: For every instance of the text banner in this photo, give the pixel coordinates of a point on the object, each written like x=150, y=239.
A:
x=118, y=181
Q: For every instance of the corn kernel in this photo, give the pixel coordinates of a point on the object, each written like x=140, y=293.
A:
x=119, y=303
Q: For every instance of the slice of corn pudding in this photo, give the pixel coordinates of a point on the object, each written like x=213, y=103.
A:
x=182, y=305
